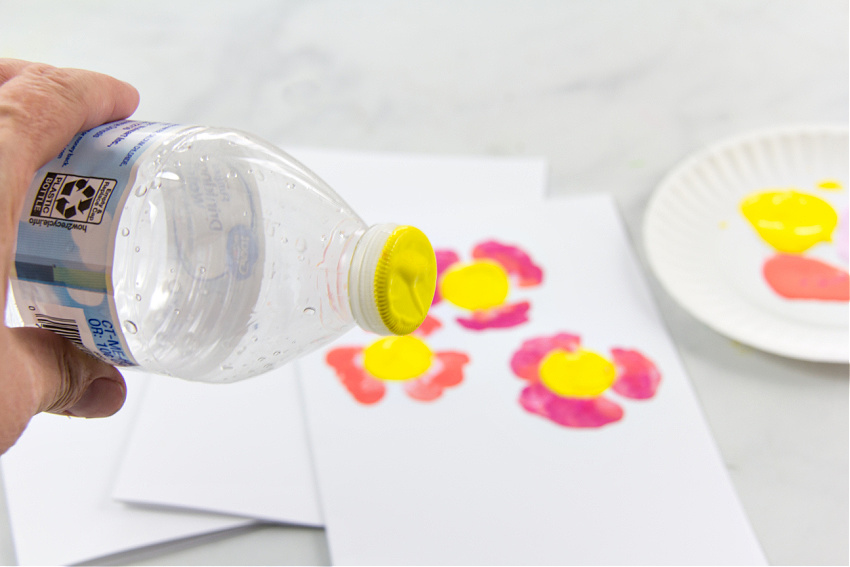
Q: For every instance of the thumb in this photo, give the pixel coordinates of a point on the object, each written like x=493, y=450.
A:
x=67, y=380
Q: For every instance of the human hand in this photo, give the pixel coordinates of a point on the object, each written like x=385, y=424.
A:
x=41, y=109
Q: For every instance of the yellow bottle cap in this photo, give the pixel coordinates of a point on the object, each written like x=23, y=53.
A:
x=393, y=279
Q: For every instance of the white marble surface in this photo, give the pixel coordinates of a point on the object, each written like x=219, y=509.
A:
x=612, y=93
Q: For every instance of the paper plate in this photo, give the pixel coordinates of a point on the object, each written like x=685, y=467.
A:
x=709, y=257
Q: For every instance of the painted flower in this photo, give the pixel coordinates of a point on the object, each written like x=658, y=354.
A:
x=424, y=374
x=482, y=286
x=567, y=384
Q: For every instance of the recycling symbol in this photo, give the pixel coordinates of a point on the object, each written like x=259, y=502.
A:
x=75, y=198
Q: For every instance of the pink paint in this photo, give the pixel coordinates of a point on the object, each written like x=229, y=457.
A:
x=526, y=360
x=445, y=258
x=637, y=376
x=798, y=277
x=569, y=412
x=497, y=317
x=515, y=261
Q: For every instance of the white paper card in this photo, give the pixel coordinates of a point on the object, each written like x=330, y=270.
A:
x=242, y=448
x=58, y=479
x=479, y=474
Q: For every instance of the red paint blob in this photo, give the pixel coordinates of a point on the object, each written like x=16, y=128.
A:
x=363, y=387
x=798, y=277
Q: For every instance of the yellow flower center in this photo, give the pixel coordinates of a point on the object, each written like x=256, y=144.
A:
x=580, y=374
x=790, y=221
x=397, y=358
x=480, y=284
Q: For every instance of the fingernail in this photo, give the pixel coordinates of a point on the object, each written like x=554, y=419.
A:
x=103, y=398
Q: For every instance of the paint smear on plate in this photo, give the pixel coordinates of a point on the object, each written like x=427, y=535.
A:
x=798, y=277
x=790, y=221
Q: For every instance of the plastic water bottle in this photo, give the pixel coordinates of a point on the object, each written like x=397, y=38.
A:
x=205, y=254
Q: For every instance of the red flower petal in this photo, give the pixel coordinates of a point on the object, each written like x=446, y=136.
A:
x=431, y=386
x=569, y=412
x=526, y=360
x=798, y=277
x=428, y=326
x=498, y=317
x=515, y=261
x=365, y=388
x=445, y=258
x=637, y=376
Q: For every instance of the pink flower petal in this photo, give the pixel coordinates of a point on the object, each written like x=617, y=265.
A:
x=431, y=386
x=569, y=412
x=515, y=261
x=365, y=388
x=445, y=258
x=526, y=360
x=637, y=376
x=498, y=317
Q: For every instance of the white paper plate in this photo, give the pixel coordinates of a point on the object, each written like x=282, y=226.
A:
x=709, y=258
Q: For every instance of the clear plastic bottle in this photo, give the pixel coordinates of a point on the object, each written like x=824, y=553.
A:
x=206, y=254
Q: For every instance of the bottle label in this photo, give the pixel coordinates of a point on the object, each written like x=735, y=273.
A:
x=62, y=275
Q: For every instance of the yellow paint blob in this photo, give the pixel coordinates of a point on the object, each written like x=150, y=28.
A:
x=580, y=374
x=830, y=185
x=397, y=358
x=481, y=284
x=790, y=221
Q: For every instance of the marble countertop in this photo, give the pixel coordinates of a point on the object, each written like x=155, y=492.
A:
x=613, y=93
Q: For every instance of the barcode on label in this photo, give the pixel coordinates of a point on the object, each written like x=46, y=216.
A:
x=63, y=327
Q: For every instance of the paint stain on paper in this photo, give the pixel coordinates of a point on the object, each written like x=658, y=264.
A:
x=570, y=385
x=481, y=288
x=792, y=222
x=424, y=374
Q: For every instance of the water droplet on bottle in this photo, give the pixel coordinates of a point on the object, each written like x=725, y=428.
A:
x=125, y=232
x=300, y=245
x=205, y=158
x=254, y=339
x=226, y=367
x=176, y=312
x=240, y=350
x=290, y=186
x=202, y=270
x=32, y=307
x=309, y=311
x=261, y=359
x=300, y=257
x=171, y=271
x=137, y=248
x=130, y=327
x=277, y=353
x=138, y=297
x=268, y=366
x=141, y=190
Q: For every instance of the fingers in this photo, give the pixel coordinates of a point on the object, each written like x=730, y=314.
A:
x=42, y=107
x=66, y=380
